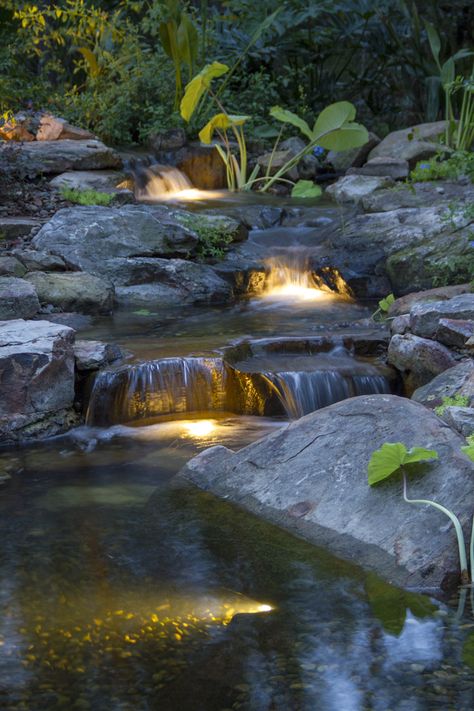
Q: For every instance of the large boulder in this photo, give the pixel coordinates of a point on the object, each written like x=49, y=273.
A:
x=13, y=228
x=52, y=128
x=203, y=166
x=151, y=283
x=418, y=359
x=425, y=318
x=404, y=304
x=36, y=379
x=18, y=298
x=43, y=157
x=418, y=195
x=413, y=144
x=73, y=291
x=311, y=478
x=457, y=381
x=10, y=266
x=395, y=168
x=354, y=157
x=88, y=179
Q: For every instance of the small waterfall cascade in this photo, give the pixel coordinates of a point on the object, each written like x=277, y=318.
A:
x=290, y=277
x=173, y=385
x=159, y=182
x=303, y=392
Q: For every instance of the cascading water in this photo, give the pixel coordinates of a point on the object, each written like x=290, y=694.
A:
x=290, y=278
x=304, y=392
x=159, y=182
x=174, y=385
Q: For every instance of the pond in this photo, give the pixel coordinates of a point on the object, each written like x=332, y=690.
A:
x=121, y=588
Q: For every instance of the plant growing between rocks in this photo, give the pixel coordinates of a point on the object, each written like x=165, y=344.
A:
x=86, y=197
x=381, y=314
x=393, y=457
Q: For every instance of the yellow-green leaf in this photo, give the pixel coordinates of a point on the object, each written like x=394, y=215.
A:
x=391, y=456
x=222, y=121
x=286, y=116
x=198, y=86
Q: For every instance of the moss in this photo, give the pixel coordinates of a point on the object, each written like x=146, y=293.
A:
x=214, y=235
x=86, y=197
x=460, y=163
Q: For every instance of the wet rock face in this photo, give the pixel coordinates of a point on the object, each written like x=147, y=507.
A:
x=18, y=298
x=418, y=359
x=73, y=291
x=411, y=144
x=317, y=467
x=36, y=379
x=458, y=380
x=425, y=318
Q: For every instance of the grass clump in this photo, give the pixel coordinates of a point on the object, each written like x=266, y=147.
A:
x=214, y=236
x=458, y=164
x=86, y=197
x=455, y=401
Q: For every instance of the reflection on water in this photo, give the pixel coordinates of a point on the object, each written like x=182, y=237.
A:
x=121, y=591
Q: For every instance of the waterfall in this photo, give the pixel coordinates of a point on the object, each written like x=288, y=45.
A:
x=158, y=182
x=304, y=392
x=174, y=385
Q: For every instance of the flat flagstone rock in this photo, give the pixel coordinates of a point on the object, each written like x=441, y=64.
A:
x=73, y=291
x=311, y=478
x=425, y=318
x=44, y=157
x=18, y=298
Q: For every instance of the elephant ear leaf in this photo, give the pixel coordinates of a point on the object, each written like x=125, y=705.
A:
x=222, y=121
x=198, y=86
x=286, y=116
x=334, y=116
x=334, y=128
x=306, y=189
x=391, y=456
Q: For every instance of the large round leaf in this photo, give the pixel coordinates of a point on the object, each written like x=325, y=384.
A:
x=198, y=86
x=334, y=116
x=391, y=456
x=352, y=135
x=306, y=189
x=223, y=121
x=289, y=117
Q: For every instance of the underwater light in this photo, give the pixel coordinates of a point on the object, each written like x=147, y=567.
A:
x=265, y=608
x=200, y=428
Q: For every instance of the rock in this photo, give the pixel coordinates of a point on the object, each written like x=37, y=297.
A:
x=73, y=291
x=12, y=131
x=308, y=167
x=418, y=359
x=277, y=160
x=354, y=157
x=10, y=266
x=18, y=299
x=85, y=237
x=413, y=144
x=352, y=188
x=78, y=322
x=39, y=261
x=54, y=129
x=44, y=157
x=400, y=324
x=151, y=283
x=12, y=228
x=418, y=195
x=443, y=293
x=36, y=379
x=92, y=355
x=88, y=179
x=455, y=381
x=425, y=318
x=318, y=467
x=168, y=141
x=454, y=332
x=394, y=168
x=294, y=145
x=203, y=166
x=460, y=419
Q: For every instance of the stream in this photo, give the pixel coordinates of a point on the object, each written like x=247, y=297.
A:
x=122, y=590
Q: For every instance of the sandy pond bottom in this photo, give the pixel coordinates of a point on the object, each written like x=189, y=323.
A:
x=121, y=592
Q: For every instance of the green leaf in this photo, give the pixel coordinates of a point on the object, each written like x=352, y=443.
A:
x=385, y=304
x=188, y=41
x=166, y=30
x=468, y=450
x=306, y=189
x=448, y=72
x=289, y=117
x=390, y=604
x=198, y=86
x=434, y=40
x=352, y=135
x=334, y=116
x=223, y=121
x=391, y=456
x=92, y=64
x=468, y=651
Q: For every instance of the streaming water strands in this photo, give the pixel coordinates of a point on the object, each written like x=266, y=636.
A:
x=302, y=393
x=159, y=181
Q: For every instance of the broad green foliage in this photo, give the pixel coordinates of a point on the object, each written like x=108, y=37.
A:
x=198, y=86
x=391, y=456
x=455, y=401
x=179, y=39
x=220, y=121
x=86, y=197
x=306, y=189
x=384, y=306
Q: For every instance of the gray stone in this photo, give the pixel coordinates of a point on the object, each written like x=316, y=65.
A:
x=311, y=478
x=12, y=228
x=400, y=324
x=308, y=167
x=425, y=318
x=413, y=144
x=73, y=291
x=355, y=157
x=10, y=266
x=36, y=378
x=276, y=161
x=35, y=261
x=44, y=157
x=18, y=299
x=167, y=141
x=395, y=168
x=92, y=355
x=460, y=419
x=352, y=188
x=418, y=195
x=418, y=359
x=455, y=381
x=151, y=283
x=454, y=332
x=88, y=179
x=403, y=304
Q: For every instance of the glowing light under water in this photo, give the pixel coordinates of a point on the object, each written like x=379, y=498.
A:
x=200, y=428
